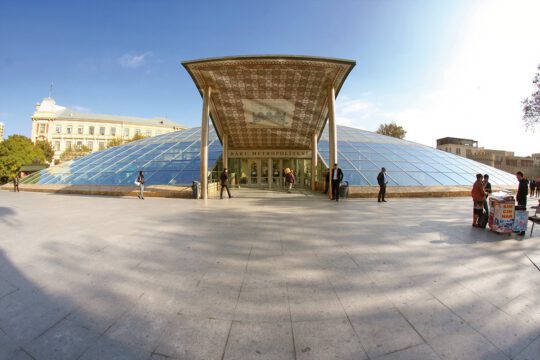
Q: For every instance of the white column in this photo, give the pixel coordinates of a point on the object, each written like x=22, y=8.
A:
x=204, y=143
x=313, y=161
x=332, y=134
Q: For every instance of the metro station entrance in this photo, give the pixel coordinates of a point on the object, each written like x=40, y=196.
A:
x=268, y=172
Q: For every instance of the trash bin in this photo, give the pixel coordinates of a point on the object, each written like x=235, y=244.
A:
x=196, y=187
x=344, y=190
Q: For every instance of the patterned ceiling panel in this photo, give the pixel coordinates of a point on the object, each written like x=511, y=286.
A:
x=269, y=101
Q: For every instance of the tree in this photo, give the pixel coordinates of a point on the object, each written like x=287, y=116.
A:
x=531, y=105
x=118, y=141
x=391, y=129
x=46, y=149
x=115, y=142
x=17, y=151
x=74, y=153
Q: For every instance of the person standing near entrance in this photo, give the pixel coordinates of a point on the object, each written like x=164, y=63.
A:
x=382, y=181
x=289, y=179
x=140, y=183
x=478, y=195
x=224, y=183
x=336, y=176
x=16, y=181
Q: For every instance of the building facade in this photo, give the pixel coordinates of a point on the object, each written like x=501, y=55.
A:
x=66, y=128
x=1, y=131
x=500, y=159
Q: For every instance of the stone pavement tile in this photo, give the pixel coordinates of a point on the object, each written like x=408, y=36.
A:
x=24, y=315
x=327, y=339
x=204, y=302
x=384, y=331
x=266, y=341
x=6, y=288
x=314, y=303
x=432, y=319
x=8, y=354
x=109, y=349
x=7, y=347
x=419, y=352
x=66, y=340
x=531, y=352
x=527, y=308
x=465, y=302
x=141, y=328
x=510, y=334
x=263, y=305
x=465, y=344
x=194, y=338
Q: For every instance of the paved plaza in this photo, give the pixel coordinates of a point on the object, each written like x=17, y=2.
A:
x=265, y=275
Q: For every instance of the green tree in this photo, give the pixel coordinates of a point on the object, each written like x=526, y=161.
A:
x=74, y=153
x=531, y=105
x=136, y=137
x=47, y=150
x=17, y=151
x=391, y=129
x=115, y=142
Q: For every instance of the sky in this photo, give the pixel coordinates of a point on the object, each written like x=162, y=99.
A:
x=438, y=68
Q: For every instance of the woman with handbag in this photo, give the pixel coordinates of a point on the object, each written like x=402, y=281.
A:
x=140, y=183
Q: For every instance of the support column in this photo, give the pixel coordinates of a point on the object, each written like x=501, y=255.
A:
x=314, y=157
x=332, y=134
x=270, y=173
x=225, y=153
x=204, y=143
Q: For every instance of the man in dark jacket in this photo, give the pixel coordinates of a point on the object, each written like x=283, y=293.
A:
x=224, y=183
x=523, y=189
x=336, y=175
x=382, y=181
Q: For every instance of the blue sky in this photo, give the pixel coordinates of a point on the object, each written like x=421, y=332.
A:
x=426, y=64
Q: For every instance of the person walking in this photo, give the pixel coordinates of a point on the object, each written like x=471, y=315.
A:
x=487, y=191
x=289, y=179
x=224, y=183
x=537, y=187
x=16, y=181
x=478, y=195
x=336, y=176
x=532, y=187
x=140, y=183
x=382, y=180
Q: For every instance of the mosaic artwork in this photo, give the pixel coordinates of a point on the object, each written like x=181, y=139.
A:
x=269, y=102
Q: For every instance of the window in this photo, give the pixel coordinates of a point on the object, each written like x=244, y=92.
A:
x=79, y=145
x=458, y=151
x=101, y=145
x=57, y=146
x=148, y=132
x=41, y=128
x=58, y=129
x=101, y=131
x=69, y=129
x=137, y=131
x=91, y=145
x=68, y=145
x=126, y=132
x=113, y=131
x=91, y=130
x=80, y=130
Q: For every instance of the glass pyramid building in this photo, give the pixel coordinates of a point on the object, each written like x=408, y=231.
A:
x=174, y=159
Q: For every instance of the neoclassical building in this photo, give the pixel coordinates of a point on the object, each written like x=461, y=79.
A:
x=65, y=128
x=1, y=131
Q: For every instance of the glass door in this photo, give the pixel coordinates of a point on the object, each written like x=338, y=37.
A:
x=254, y=174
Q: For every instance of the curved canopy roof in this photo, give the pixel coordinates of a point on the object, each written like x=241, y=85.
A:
x=275, y=102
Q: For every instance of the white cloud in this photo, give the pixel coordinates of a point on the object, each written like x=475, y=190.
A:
x=133, y=61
